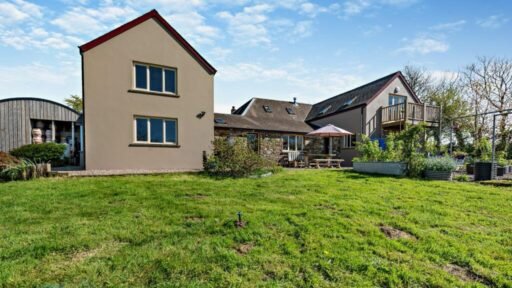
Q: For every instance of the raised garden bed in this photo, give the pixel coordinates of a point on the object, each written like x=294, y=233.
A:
x=439, y=175
x=384, y=168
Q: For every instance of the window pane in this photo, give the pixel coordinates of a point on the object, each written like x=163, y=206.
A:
x=293, y=143
x=142, y=129
x=170, y=131
x=155, y=79
x=141, y=80
x=285, y=142
x=300, y=143
x=170, y=80
x=252, y=141
x=157, y=130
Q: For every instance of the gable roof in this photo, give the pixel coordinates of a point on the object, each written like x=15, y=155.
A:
x=153, y=14
x=359, y=96
x=252, y=115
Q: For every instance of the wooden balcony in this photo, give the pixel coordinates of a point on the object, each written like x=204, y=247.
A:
x=411, y=113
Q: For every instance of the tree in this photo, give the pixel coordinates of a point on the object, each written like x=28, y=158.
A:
x=448, y=94
x=75, y=102
x=489, y=83
x=419, y=80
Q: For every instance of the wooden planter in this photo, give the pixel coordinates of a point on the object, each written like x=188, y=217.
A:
x=439, y=175
x=385, y=168
x=484, y=171
x=470, y=169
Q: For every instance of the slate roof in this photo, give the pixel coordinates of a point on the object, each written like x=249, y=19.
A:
x=252, y=116
x=356, y=97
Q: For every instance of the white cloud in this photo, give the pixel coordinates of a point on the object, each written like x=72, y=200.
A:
x=37, y=38
x=441, y=75
x=18, y=10
x=451, y=26
x=218, y=54
x=20, y=81
x=285, y=82
x=313, y=10
x=424, y=45
x=89, y=21
x=493, y=22
x=354, y=7
x=302, y=29
x=248, y=26
x=193, y=27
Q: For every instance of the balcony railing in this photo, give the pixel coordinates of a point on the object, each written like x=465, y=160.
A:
x=411, y=112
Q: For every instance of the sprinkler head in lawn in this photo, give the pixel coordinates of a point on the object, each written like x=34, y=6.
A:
x=239, y=223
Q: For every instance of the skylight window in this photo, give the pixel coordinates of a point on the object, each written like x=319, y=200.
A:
x=219, y=121
x=348, y=102
x=325, y=110
x=267, y=108
x=290, y=111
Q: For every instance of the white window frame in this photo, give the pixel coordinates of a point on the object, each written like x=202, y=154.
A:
x=148, y=89
x=297, y=138
x=347, y=143
x=148, y=123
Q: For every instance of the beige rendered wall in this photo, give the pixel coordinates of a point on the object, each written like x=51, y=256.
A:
x=109, y=108
x=350, y=120
x=373, y=108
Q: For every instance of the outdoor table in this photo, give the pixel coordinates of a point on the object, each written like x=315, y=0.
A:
x=328, y=162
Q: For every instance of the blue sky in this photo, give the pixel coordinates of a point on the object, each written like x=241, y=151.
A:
x=272, y=49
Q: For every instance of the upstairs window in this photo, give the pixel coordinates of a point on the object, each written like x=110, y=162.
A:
x=395, y=99
x=267, y=108
x=155, y=78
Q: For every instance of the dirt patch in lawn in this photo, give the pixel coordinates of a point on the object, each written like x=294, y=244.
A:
x=245, y=248
x=395, y=233
x=194, y=219
x=465, y=274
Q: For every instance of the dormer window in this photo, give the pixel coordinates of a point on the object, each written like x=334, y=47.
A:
x=290, y=111
x=153, y=78
x=267, y=108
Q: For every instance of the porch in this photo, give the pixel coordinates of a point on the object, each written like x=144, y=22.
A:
x=410, y=113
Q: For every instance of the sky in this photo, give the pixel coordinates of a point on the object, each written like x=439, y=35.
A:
x=307, y=49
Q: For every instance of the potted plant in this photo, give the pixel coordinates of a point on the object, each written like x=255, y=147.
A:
x=502, y=168
x=470, y=165
x=440, y=168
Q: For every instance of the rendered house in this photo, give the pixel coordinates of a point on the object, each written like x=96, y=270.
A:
x=148, y=99
x=374, y=109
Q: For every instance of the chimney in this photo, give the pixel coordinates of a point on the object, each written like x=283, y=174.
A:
x=233, y=109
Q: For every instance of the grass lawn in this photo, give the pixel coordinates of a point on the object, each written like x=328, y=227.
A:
x=305, y=228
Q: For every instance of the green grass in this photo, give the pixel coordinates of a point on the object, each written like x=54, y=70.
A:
x=305, y=228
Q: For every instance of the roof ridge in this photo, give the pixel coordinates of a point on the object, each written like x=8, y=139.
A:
x=173, y=33
x=359, y=87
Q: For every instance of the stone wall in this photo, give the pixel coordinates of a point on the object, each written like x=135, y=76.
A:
x=270, y=144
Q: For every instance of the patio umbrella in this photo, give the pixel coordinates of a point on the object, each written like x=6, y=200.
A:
x=329, y=130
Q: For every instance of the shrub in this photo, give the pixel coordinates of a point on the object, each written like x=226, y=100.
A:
x=483, y=149
x=440, y=164
x=369, y=149
x=24, y=170
x=233, y=158
x=462, y=178
x=45, y=152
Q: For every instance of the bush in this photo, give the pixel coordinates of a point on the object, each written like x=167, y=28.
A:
x=233, y=158
x=462, y=178
x=24, y=170
x=45, y=152
x=369, y=149
x=439, y=164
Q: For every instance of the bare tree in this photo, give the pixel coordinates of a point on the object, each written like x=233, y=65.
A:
x=419, y=80
x=489, y=84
